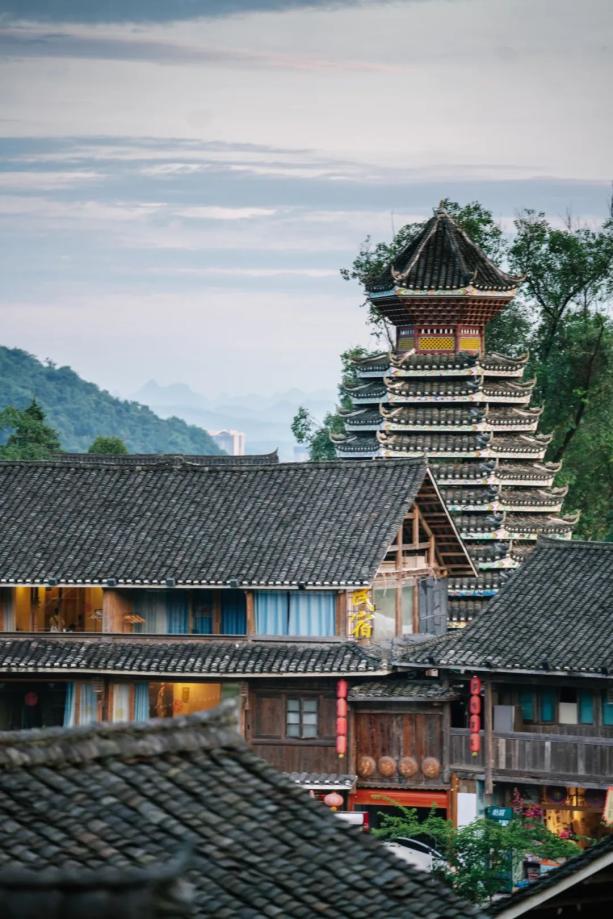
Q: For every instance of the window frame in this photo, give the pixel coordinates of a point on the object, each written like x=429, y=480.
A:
x=301, y=700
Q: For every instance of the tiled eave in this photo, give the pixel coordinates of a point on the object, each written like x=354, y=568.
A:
x=468, y=292
x=188, y=656
x=166, y=583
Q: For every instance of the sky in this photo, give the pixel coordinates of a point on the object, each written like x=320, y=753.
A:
x=181, y=181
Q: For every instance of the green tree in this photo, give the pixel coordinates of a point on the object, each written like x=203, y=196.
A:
x=31, y=437
x=477, y=856
x=316, y=435
x=112, y=445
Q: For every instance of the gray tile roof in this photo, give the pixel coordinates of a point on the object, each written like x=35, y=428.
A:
x=596, y=858
x=399, y=689
x=146, y=459
x=323, y=780
x=554, y=615
x=124, y=796
x=68, y=654
x=314, y=523
x=442, y=256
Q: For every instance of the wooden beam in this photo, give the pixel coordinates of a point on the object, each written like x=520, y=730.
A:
x=250, y=613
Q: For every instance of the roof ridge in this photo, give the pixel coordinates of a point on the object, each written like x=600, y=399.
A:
x=575, y=543
x=208, y=730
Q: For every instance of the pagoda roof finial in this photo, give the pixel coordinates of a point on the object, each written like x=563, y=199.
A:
x=441, y=256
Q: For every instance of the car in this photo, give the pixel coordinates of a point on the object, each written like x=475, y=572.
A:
x=355, y=818
x=414, y=852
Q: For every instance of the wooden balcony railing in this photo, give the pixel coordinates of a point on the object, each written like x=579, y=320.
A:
x=563, y=758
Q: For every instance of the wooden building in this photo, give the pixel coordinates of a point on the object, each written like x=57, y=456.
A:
x=439, y=393
x=543, y=653
x=134, y=589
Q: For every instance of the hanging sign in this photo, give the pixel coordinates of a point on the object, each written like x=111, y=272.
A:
x=474, y=707
x=361, y=617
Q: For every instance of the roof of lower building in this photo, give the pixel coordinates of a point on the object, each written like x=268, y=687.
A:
x=441, y=256
x=122, y=796
x=63, y=654
x=574, y=871
x=400, y=689
x=555, y=615
x=323, y=781
x=276, y=525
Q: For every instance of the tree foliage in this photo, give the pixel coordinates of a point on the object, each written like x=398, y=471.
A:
x=316, y=435
x=477, y=856
x=30, y=438
x=562, y=318
x=80, y=411
x=108, y=445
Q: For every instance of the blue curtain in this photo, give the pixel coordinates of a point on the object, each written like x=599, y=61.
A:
x=69, y=706
x=526, y=702
x=586, y=707
x=271, y=612
x=88, y=704
x=178, y=614
x=312, y=613
x=548, y=705
x=141, y=701
x=233, y=612
x=151, y=605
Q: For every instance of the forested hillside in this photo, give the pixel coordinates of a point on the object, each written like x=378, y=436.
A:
x=80, y=411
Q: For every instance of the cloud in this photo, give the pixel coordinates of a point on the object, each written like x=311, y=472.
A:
x=43, y=181
x=149, y=11
x=34, y=43
x=225, y=213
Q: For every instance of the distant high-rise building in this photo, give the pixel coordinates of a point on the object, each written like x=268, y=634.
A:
x=233, y=442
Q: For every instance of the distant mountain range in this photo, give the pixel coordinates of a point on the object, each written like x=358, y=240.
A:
x=265, y=420
x=81, y=411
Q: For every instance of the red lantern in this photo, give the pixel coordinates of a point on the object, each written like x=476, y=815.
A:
x=475, y=744
x=475, y=685
x=334, y=800
x=31, y=698
x=341, y=727
x=474, y=706
x=341, y=708
x=474, y=724
x=342, y=688
x=341, y=745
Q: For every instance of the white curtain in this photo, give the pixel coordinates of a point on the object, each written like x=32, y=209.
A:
x=120, y=706
x=88, y=704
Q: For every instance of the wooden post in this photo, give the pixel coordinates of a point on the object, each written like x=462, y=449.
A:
x=446, y=738
x=415, y=625
x=453, y=799
x=398, y=610
x=489, y=740
x=342, y=601
x=115, y=605
x=216, y=623
x=415, y=525
x=250, y=613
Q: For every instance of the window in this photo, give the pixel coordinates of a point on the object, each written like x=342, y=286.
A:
x=300, y=612
x=607, y=709
x=433, y=606
x=586, y=707
x=385, y=613
x=301, y=718
x=526, y=703
x=547, y=705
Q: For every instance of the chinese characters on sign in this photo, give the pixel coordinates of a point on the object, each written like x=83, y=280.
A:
x=361, y=617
